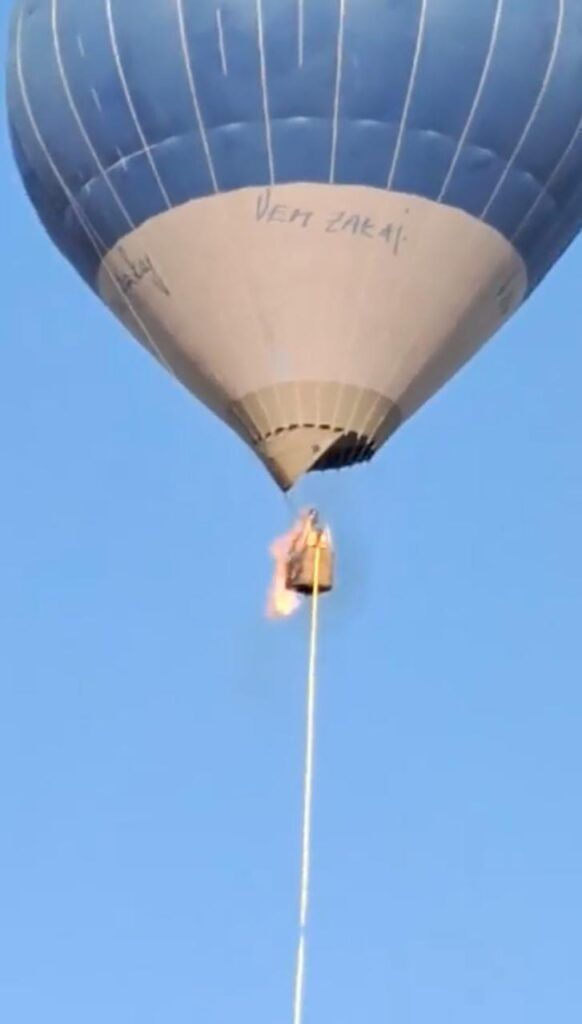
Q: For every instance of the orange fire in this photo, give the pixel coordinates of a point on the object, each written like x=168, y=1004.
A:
x=281, y=602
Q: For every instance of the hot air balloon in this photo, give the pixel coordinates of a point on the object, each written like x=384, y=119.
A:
x=311, y=212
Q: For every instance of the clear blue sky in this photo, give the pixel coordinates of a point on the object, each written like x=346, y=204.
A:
x=151, y=722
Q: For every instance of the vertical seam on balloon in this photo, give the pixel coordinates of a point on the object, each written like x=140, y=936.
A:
x=409, y=92
x=300, y=417
x=369, y=427
x=130, y=104
x=477, y=100
x=338, y=87
x=351, y=346
x=221, y=43
x=336, y=409
x=78, y=119
x=546, y=189
x=97, y=100
x=300, y=32
x=265, y=90
x=352, y=424
x=82, y=217
x=317, y=414
x=536, y=109
x=194, y=93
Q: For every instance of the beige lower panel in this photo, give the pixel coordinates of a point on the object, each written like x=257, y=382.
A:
x=253, y=291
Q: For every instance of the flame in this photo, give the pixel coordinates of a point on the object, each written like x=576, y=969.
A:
x=281, y=603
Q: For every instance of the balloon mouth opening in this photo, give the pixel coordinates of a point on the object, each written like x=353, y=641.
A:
x=347, y=450
x=304, y=427
x=343, y=451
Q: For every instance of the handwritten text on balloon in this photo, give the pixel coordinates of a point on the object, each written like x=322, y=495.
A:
x=336, y=222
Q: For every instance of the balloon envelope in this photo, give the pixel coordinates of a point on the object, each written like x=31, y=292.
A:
x=312, y=212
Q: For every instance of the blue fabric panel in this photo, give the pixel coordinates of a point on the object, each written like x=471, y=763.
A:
x=72, y=242
x=119, y=110
x=89, y=68
x=456, y=37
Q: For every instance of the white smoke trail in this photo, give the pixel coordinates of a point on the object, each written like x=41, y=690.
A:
x=299, y=1000
x=299, y=982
